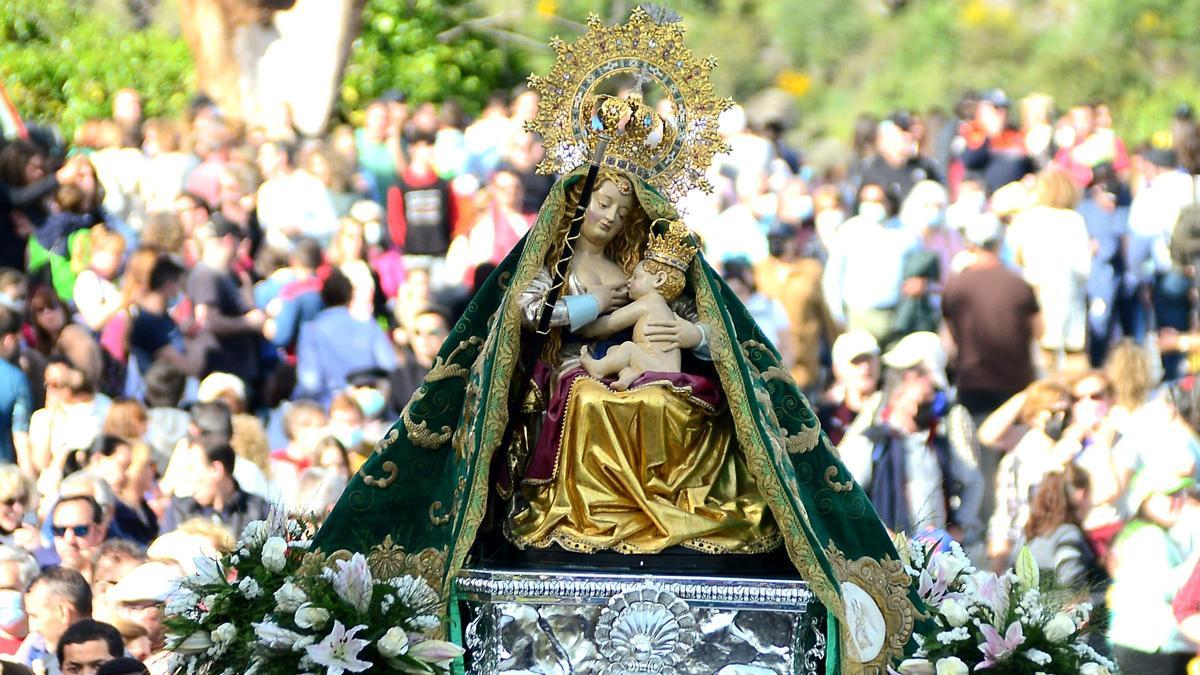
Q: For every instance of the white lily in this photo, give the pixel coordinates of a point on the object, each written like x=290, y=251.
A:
x=338, y=652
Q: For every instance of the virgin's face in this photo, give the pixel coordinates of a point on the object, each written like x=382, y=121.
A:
x=607, y=213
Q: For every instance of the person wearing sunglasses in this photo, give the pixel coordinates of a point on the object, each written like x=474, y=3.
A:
x=18, y=520
x=77, y=525
x=1088, y=444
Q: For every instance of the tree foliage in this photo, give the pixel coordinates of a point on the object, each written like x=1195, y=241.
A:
x=428, y=50
x=61, y=62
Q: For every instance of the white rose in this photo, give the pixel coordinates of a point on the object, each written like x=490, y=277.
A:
x=1060, y=628
x=310, y=617
x=916, y=667
x=393, y=643
x=224, y=634
x=289, y=597
x=955, y=613
x=952, y=665
x=254, y=534
x=274, y=554
x=1093, y=669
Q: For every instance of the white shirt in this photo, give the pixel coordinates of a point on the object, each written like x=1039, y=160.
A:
x=298, y=200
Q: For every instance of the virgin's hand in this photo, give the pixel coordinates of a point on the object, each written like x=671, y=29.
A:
x=677, y=333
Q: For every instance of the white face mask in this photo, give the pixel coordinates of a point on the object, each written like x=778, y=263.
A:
x=873, y=211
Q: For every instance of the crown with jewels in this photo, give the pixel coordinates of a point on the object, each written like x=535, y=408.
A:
x=674, y=247
x=671, y=149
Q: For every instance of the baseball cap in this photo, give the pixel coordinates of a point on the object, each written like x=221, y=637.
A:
x=216, y=384
x=920, y=349
x=1152, y=481
x=150, y=581
x=983, y=229
x=853, y=344
x=996, y=97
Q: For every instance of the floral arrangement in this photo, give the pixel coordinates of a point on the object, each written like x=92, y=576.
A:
x=1003, y=624
x=273, y=607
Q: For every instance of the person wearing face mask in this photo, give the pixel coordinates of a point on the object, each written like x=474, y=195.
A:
x=916, y=458
x=303, y=425
x=369, y=389
x=829, y=212
x=924, y=267
x=17, y=570
x=1045, y=412
x=863, y=278
x=346, y=425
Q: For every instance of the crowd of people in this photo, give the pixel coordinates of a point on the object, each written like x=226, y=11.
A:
x=993, y=311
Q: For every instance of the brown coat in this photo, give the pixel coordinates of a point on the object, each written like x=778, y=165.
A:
x=797, y=286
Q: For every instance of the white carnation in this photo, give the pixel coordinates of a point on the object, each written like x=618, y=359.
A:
x=1038, y=656
x=254, y=534
x=249, y=588
x=274, y=637
x=289, y=597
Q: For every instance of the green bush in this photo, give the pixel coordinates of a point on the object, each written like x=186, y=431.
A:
x=62, y=62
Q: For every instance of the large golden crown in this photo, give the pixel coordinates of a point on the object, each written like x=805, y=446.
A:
x=671, y=150
x=674, y=247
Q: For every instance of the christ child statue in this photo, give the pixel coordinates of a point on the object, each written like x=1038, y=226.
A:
x=658, y=279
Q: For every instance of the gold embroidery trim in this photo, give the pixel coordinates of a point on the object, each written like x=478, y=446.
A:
x=444, y=369
x=831, y=473
x=440, y=520
x=794, y=523
x=381, y=483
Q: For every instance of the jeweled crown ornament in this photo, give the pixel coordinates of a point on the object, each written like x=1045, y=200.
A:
x=669, y=145
x=674, y=247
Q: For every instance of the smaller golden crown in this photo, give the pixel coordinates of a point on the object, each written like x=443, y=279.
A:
x=674, y=247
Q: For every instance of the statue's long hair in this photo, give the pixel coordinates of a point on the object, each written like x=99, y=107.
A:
x=625, y=250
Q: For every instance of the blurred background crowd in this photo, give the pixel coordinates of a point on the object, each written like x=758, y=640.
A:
x=992, y=305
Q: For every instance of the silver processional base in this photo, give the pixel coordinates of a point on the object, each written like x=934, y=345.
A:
x=525, y=622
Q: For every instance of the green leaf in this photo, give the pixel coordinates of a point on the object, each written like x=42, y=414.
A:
x=1027, y=570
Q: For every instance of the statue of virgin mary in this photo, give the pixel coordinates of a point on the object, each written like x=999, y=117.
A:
x=724, y=458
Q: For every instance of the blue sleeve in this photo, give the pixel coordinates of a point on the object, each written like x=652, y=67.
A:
x=385, y=353
x=582, y=310
x=285, y=323
x=308, y=368
x=22, y=406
